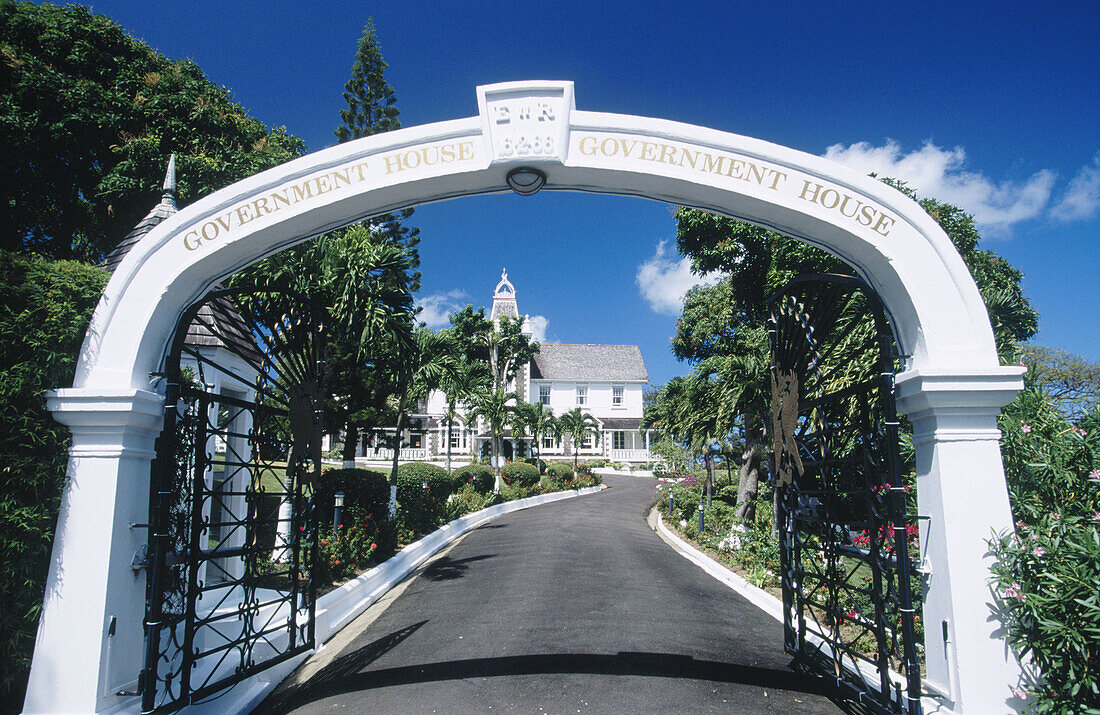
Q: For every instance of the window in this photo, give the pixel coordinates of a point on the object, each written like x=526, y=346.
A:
x=582, y=395
x=544, y=394
x=549, y=443
x=616, y=395
x=618, y=440
x=587, y=444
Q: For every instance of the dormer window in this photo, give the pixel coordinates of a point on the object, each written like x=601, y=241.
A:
x=582, y=395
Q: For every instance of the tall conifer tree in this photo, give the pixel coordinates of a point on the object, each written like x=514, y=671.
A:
x=372, y=109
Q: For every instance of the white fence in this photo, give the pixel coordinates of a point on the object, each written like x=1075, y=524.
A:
x=630, y=455
x=407, y=453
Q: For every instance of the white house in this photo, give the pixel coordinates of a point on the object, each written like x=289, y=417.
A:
x=605, y=381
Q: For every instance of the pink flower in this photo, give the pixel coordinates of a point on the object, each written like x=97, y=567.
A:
x=1013, y=591
x=1055, y=516
x=1095, y=474
x=1025, y=427
x=1096, y=516
x=1080, y=431
x=1038, y=551
x=1021, y=694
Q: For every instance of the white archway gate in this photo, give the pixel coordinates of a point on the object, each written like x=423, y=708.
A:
x=90, y=639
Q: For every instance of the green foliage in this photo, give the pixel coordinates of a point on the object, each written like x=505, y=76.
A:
x=1047, y=575
x=88, y=119
x=420, y=505
x=1046, y=572
x=366, y=494
x=467, y=500
x=520, y=473
x=1071, y=381
x=343, y=552
x=539, y=464
x=478, y=476
x=43, y=317
x=559, y=470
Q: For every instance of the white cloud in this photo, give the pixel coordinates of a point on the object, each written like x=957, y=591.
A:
x=940, y=173
x=664, y=280
x=1082, y=197
x=538, y=325
x=435, y=309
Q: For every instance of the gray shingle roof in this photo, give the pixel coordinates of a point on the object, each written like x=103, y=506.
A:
x=609, y=363
x=620, y=423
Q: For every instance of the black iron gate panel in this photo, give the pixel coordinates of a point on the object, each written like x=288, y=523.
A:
x=232, y=534
x=849, y=596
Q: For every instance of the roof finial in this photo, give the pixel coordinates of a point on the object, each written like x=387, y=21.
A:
x=169, y=196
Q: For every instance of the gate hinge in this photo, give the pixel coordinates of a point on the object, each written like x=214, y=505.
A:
x=141, y=560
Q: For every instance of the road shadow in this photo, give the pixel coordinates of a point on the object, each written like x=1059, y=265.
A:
x=657, y=665
x=448, y=569
x=282, y=701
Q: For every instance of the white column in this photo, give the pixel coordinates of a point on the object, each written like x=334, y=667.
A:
x=77, y=665
x=961, y=486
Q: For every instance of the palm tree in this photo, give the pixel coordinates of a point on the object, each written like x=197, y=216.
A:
x=464, y=381
x=496, y=407
x=421, y=369
x=579, y=425
x=540, y=420
x=520, y=422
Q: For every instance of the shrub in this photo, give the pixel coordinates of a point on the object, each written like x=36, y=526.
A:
x=342, y=552
x=366, y=493
x=559, y=471
x=466, y=501
x=421, y=507
x=538, y=463
x=43, y=317
x=727, y=494
x=1046, y=572
x=520, y=474
x=599, y=463
x=478, y=476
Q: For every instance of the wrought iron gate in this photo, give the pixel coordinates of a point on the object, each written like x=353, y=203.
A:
x=232, y=535
x=849, y=598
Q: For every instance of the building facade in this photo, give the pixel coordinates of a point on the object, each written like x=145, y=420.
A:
x=605, y=381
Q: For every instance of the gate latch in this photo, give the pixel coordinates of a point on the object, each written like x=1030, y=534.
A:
x=141, y=560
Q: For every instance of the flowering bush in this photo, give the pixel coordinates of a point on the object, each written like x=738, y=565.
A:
x=478, y=476
x=520, y=474
x=343, y=552
x=1047, y=571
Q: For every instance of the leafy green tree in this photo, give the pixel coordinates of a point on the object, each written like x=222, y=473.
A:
x=462, y=383
x=364, y=274
x=722, y=324
x=1070, y=381
x=503, y=346
x=496, y=406
x=43, y=317
x=88, y=119
x=579, y=426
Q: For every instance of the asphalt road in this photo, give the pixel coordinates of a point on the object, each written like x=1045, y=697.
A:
x=575, y=606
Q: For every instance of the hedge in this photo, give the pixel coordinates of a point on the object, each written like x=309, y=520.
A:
x=520, y=474
x=43, y=317
x=420, y=507
x=366, y=493
x=479, y=476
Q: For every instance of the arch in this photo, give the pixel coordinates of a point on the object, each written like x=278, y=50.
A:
x=952, y=387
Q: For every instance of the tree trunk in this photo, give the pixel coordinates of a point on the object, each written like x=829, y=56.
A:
x=708, y=461
x=450, y=424
x=750, y=474
x=351, y=441
x=495, y=441
x=396, y=457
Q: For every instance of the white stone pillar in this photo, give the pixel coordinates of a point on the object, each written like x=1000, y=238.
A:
x=961, y=486
x=78, y=666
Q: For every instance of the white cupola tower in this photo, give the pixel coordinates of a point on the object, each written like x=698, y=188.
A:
x=504, y=299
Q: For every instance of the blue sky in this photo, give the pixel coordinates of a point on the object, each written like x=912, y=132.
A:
x=994, y=107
